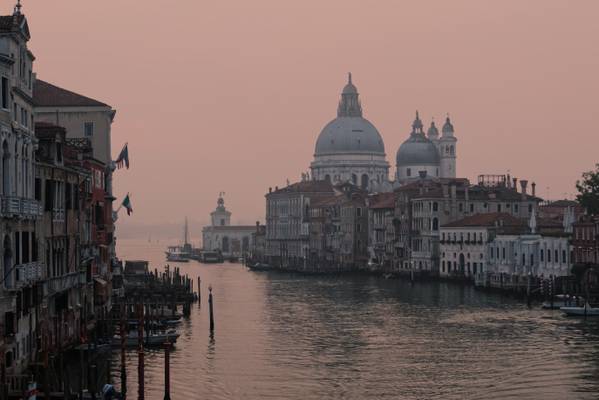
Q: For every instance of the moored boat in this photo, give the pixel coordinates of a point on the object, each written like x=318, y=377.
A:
x=150, y=339
x=259, y=267
x=562, y=300
x=176, y=254
x=585, y=311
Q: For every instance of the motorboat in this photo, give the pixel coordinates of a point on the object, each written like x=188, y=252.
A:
x=259, y=267
x=585, y=311
x=150, y=339
x=562, y=300
x=176, y=254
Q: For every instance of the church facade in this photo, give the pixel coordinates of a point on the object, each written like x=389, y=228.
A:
x=220, y=235
x=351, y=149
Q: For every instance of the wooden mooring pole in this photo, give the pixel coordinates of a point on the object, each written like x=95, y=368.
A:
x=167, y=370
x=211, y=309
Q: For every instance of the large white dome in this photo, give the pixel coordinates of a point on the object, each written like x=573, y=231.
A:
x=349, y=135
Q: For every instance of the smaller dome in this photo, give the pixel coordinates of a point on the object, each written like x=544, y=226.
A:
x=417, y=151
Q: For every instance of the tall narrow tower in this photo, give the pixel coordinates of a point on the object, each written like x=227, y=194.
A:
x=447, y=150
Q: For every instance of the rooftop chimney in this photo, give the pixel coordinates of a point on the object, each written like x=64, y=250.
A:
x=515, y=184
x=523, y=184
x=534, y=189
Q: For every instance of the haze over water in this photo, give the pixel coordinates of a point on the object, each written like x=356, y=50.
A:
x=285, y=336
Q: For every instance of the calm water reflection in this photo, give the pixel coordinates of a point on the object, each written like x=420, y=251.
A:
x=285, y=336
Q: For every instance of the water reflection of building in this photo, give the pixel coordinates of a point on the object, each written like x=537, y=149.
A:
x=220, y=235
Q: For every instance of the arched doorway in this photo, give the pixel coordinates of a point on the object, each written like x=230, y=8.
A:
x=7, y=262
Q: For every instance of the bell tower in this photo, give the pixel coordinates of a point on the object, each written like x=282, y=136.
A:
x=220, y=216
x=447, y=150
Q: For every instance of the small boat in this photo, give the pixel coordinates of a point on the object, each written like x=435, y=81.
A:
x=586, y=310
x=210, y=257
x=176, y=254
x=150, y=339
x=562, y=300
x=260, y=267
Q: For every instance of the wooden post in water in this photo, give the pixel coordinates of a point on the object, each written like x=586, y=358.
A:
x=211, y=309
x=528, y=291
x=140, y=352
x=199, y=290
x=167, y=370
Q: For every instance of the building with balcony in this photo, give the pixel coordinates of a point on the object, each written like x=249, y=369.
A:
x=381, y=229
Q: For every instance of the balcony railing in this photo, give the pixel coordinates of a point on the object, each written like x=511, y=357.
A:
x=64, y=282
x=12, y=206
x=28, y=273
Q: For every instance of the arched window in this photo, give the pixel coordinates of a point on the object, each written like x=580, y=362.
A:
x=435, y=224
x=5, y=169
x=354, y=179
x=327, y=178
x=364, y=181
x=451, y=150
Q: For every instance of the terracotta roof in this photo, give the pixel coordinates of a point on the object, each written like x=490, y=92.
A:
x=306, y=186
x=47, y=95
x=382, y=200
x=489, y=219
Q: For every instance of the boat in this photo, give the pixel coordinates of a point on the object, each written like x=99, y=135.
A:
x=211, y=257
x=561, y=300
x=176, y=254
x=259, y=267
x=150, y=339
x=586, y=310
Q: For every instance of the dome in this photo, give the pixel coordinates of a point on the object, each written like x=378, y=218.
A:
x=417, y=150
x=349, y=135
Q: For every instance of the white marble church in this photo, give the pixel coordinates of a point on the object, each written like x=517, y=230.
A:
x=220, y=235
x=351, y=149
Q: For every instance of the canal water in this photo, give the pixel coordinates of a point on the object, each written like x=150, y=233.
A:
x=286, y=336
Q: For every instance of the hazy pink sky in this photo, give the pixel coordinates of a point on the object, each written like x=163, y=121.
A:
x=222, y=95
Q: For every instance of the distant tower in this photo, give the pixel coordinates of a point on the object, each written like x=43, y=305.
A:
x=447, y=150
x=220, y=216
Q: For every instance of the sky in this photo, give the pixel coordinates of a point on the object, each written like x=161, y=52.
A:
x=231, y=95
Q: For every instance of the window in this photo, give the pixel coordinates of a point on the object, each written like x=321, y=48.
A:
x=88, y=129
x=435, y=206
x=542, y=255
x=530, y=208
x=4, y=92
x=564, y=256
x=359, y=211
x=409, y=172
x=556, y=256
x=461, y=207
x=515, y=207
x=471, y=207
x=24, y=117
x=15, y=111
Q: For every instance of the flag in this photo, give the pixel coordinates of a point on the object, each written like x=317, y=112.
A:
x=123, y=158
x=127, y=204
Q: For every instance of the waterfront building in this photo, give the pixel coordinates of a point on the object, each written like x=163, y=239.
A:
x=427, y=156
x=350, y=148
x=220, y=235
x=19, y=208
x=381, y=229
x=436, y=202
x=537, y=251
x=463, y=243
x=287, y=229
